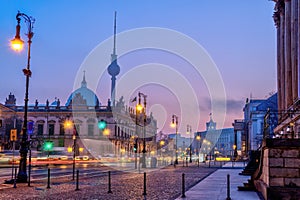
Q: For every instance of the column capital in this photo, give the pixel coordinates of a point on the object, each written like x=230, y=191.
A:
x=280, y=7
x=276, y=17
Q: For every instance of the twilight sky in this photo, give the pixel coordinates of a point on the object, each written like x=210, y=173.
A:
x=238, y=36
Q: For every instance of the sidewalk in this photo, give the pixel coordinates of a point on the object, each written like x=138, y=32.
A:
x=215, y=186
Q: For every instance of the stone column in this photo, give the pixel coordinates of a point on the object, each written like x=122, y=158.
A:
x=282, y=56
x=276, y=18
x=288, y=66
x=294, y=50
x=298, y=50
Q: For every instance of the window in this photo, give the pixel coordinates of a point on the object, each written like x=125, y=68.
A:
x=40, y=129
x=90, y=129
x=51, y=129
x=61, y=129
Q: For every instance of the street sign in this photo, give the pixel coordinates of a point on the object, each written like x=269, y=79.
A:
x=13, y=135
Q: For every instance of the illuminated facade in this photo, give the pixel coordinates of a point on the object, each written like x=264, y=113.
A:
x=85, y=111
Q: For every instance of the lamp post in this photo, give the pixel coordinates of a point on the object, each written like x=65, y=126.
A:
x=161, y=144
x=17, y=45
x=138, y=110
x=74, y=151
x=144, y=130
x=198, y=138
x=68, y=125
x=175, y=124
x=189, y=131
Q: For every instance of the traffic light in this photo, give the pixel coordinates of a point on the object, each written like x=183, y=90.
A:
x=0, y=123
x=102, y=124
x=135, y=147
x=13, y=135
x=48, y=146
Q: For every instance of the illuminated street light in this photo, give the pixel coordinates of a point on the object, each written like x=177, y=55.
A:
x=17, y=45
x=106, y=132
x=74, y=151
x=198, y=138
x=68, y=124
x=189, y=131
x=174, y=124
x=140, y=108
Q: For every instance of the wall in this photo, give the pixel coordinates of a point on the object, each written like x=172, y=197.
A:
x=280, y=168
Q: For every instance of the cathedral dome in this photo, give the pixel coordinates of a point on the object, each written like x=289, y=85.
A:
x=83, y=96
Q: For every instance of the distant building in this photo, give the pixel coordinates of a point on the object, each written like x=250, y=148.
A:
x=254, y=114
x=213, y=141
x=183, y=143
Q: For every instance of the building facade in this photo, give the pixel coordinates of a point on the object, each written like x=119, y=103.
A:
x=213, y=141
x=255, y=111
x=84, y=110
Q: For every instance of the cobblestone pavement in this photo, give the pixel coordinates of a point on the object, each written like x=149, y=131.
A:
x=161, y=184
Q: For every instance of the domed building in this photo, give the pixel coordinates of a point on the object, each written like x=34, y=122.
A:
x=83, y=97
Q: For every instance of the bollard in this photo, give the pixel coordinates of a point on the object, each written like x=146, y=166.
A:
x=77, y=181
x=144, y=193
x=12, y=172
x=48, y=184
x=228, y=187
x=29, y=173
x=15, y=180
x=109, y=183
x=183, y=186
x=29, y=167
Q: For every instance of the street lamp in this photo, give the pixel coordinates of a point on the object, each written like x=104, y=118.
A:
x=74, y=151
x=17, y=45
x=143, y=108
x=161, y=143
x=68, y=125
x=198, y=138
x=175, y=124
x=189, y=131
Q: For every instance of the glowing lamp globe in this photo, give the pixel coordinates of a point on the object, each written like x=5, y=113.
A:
x=17, y=44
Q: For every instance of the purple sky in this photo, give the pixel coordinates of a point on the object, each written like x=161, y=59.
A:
x=238, y=35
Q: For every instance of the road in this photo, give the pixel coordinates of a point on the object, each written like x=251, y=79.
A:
x=64, y=169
